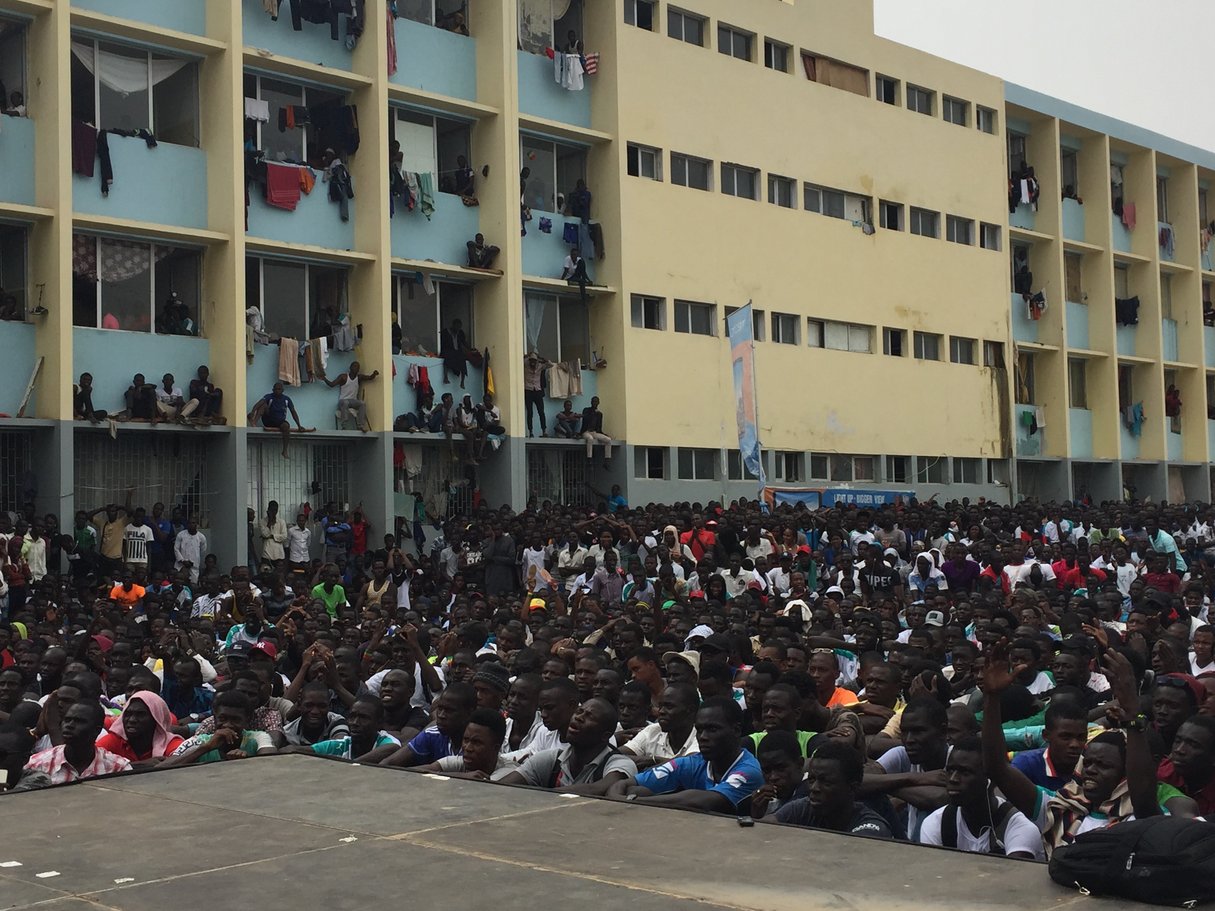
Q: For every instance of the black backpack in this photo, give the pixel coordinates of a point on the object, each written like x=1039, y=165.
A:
x=1162, y=860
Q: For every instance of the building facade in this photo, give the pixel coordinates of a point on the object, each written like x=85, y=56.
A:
x=855, y=191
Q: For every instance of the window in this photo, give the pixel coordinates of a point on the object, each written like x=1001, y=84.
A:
x=815, y=330
x=649, y=312
x=736, y=468
x=955, y=111
x=695, y=319
x=540, y=26
x=927, y=346
x=432, y=12
x=818, y=467
x=776, y=55
x=423, y=317
x=1016, y=150
x=841, y=468
x=1166, y=296
x=919, y=100
x=898, y=469
x=12, y=57
x=1072, y=270
x=639, y=13
x=1162, y=198
x=961, y=350
x=738, y=180
x=894, y=342
x=1077, y=384
x=650, y=462
x=553, y=170
x=685, y=26
x=788, y=465
x=839, y=336
x=120, y=284
x=990, y=237
x=644, y=161
x=297, y=300
x=959, y=230
x=1122, y=281
x=835, y=203
x=687, y=171
x=997, y=472
x=985, y=119
x=925, y=222
x=307, y=143
x=1024, y=379
x=864, y=468
x=697, y=464
x=1202, y=207
x=14, y=300
x=931, y=469
x=836, y=74
x=1070, y=162
x=119, y=87
x=784, y=329
x=1126, y=385
x=734, y=43
x=432, y=145
x=886, y=90
x=782, y=191
x=891, y=214
x=557, y=327
x=759, y=322
x=993, y=354
x=966, y=471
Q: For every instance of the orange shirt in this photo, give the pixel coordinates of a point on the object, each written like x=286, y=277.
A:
x=126, y=598
x=842, y=696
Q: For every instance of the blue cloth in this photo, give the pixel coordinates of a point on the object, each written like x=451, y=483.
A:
x=432, y=745
x=277, y=407
x=183, y=702
x=546, y=226
x=1036, y=767
x=691, y=773
x=570, y=234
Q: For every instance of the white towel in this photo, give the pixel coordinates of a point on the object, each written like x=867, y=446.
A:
x=1025, y=197
x=257, y=110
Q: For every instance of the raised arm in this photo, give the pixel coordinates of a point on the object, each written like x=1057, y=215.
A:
x=995, y=677
x=1140, y=767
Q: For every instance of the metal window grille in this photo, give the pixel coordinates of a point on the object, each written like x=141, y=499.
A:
x=318, y=473
x=162, y=468
x=16, y=469
x=557, y=475
x=444, y=491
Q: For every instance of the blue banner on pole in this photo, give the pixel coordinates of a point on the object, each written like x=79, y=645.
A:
x=742, y=355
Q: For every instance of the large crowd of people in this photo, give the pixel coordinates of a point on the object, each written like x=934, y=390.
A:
x=996, y=679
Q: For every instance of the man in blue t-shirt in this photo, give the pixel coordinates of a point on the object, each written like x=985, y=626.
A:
x=720, y=778
x=1066, y=734
x=271, y=412
x=452, y=709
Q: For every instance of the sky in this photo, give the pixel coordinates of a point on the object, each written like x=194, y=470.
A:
x=1033, y=43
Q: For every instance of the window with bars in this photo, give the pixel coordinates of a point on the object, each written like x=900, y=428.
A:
x=316, y=472
x=557, y=476
x=445, y=492
x=162, y=468
x=16, y=464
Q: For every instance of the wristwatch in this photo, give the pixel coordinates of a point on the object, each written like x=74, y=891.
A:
x=1138, y=723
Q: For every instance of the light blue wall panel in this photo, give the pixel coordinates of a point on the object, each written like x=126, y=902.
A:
x=1077, y=325
x=435, y=60
x=1122, y=237
x=1024, y=329
x=16, y=364
x=1073, y=220
x=182, y=15
x=1126, y=340
x=541, y=96
x=17, y=158
x=443, y=237
x=311, y=43
x=544, y=254
x=314, y=401
x=1168, y=330
x=114, y=357
x=315, y=220
x=1025, y=217
x=1081, y=427
x=166, y=184
x=404, y=398
x=1208, y=338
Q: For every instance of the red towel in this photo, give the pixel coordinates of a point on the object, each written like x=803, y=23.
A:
x=282, y=186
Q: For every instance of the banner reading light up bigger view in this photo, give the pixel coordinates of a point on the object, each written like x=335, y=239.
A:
x=742, y=354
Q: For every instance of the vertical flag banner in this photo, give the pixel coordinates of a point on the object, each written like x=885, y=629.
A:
x=742, y=354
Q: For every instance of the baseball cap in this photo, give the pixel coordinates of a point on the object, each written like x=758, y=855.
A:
x=537, y=604
x=934, y=618
x=269, y=649
x=716, y=643
x=692, y=658
x=240, y=649
x=698, y=632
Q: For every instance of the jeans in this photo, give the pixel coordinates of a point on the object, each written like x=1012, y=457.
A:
x=534, y=398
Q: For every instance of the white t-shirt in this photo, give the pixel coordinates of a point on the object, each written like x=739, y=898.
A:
x=1020, y=835
x=419, y=700
x=897, y=762
x=135, y=541
x=653, y=745
x=456, y=764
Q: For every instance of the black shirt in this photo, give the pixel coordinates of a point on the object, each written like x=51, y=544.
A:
x=864, y=821
x=592, y=420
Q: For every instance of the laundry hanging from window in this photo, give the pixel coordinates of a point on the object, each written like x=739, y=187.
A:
x=1126, y=311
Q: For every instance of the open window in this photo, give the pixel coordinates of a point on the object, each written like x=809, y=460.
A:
x=14, y=298
x=306, y=143
x=424, y=315
x=135, y=286
x=450, y=15
x=432, y=145
x=12, y=61
x=551, y=171
x=557, y=327
x=296, y=300
x=545, y=24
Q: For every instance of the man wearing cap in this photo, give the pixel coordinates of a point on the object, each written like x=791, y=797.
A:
x=674, y=733
x=682, y=667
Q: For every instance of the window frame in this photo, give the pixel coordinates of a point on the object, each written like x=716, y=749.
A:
x=915, y=221
x=775, y=183
x=962, y=350
x=1077, y=392
x=630, y=13
x=988, y=231
x=788, y=465
x=684, y=17
x=960, y=230
x=914, y=91
x=949, y=104
x=402, y=279
x=898, y=469
x=682, y=161
x=771, y=47
x=688, y=307
x=886, y=206
x=889, y=334
x=736, y=467
x=932, y=470
x=963, y=466
x=734, y=33
x=154, y=295
x=556, y=300
x=993, y=354
x=987, y=120
x=786, y=328
x=729, y=175
x=642, y=456
x=637, y=152
x=697, y=457
x=919, y=346
x=880, y=80
x=638, y=311
x=308, y=267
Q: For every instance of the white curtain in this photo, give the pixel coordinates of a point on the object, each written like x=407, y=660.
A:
x=533, y=320
x=124, y=74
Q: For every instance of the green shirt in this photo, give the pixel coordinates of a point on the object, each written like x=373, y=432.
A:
x=341, y=746
x=332, y=599
x=803, y=738
x=250, y=743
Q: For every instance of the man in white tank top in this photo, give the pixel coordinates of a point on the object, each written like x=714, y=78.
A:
x=348, y=395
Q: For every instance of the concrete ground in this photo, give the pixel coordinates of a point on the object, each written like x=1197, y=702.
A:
x=294, y=832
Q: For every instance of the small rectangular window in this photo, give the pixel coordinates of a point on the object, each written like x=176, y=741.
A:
x=966, y=471
x=985, y=119
x=736, y=468
x=931, y=469
x=836, y=74
x=649, y=312
x=788, y=465
x=819, y=470
x=644, y=161
x=927, y=346
x=1077, y=383
x=815, y=334
x=693, y=318
x=697, y=464
x=860, y=339
x=782, y=191
x=1016, y=150
x=840, y=467
x=639, y=13
x=898, y=469
x=650, y=463
x=687, y=171
x=891, y=215
x=1073, y=281
x=997, y=472
x=894, y=342
x=686, y=27
x=1069, y=160
x=959, y=230
x=835, y=203
x=738, y=180
x=1166, y=296
x=1162, y=198
x=1122, y=282
x=784, y=328
x=734, y=42
x=961, y=350
x=955, y=111
x=920, y=100
x=993, y=354
x=864, y=468
x=776, y=55
x=925, y=222
x=886, y=89
x=989, y=237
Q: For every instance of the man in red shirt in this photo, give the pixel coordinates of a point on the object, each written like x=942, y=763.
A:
x=700, y=539
x=1159, y=576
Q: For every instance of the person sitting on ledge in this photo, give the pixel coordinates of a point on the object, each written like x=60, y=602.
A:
x=480, y=254
x=271, y=412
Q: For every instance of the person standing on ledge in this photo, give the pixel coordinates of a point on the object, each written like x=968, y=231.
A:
x=348, y=395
